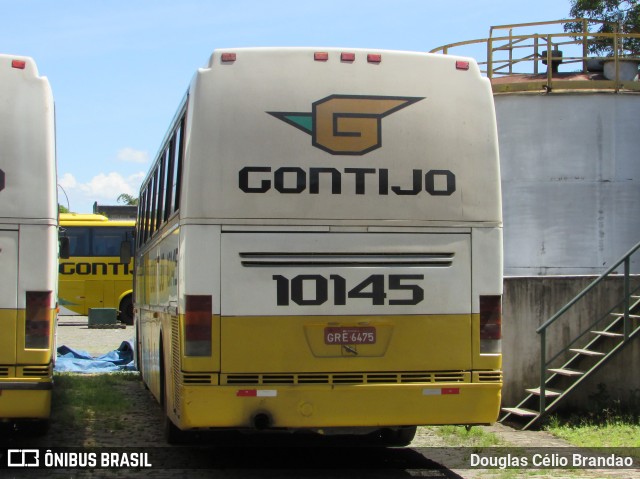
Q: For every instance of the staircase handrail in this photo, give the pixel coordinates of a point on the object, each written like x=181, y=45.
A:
x=584, y=292
x=542, y=330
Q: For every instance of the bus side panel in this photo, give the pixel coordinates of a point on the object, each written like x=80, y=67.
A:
x=8, y=295
x=72, y=292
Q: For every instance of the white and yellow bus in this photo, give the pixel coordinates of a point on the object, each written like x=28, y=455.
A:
x=92, y=276
x=28, y=241
x=319, y=246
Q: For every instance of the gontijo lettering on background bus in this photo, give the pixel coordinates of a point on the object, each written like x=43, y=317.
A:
x=92, y=276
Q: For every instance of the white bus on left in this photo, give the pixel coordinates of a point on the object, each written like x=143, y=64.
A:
x=28, y=241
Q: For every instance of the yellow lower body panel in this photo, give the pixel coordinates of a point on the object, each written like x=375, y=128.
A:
x=24, y=404
x=326, y=406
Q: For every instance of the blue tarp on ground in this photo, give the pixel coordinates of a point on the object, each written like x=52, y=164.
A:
x=77, y=361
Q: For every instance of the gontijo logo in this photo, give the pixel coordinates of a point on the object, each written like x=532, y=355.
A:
x=346, y=124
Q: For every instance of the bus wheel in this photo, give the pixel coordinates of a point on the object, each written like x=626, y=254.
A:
x=172, y=433
x=126, y=310
x=34, y=428
x=398, y=436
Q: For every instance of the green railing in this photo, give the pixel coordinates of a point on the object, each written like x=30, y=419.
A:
x=631, y=286
x=525, y=54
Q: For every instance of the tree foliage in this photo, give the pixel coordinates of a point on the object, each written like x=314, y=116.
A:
x=127, y=199
x=620, y=15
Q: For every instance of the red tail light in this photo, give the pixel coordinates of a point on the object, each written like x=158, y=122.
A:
x=228, y=57
x=38, y=320
x=374, y=58
x=462, y=65
x=19, y=64
x=490, y=324
x=321, y=56
x=347, y=57
x=197, y=325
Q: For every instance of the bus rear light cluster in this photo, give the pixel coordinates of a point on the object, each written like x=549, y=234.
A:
x=197, y=325
x=490, y=324
x=347, y=57
x=37, y=324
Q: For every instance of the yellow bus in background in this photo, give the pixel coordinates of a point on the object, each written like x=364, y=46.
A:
x=28, y=242
x=92, y=276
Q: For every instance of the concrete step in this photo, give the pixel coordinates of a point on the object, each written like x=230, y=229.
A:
x=621, y=315
x=518, y=411
x=586, y=352
x=567, y=372
x=608, y=334
x=547, y=392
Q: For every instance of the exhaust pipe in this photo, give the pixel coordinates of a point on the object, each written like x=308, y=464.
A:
x=261, y=421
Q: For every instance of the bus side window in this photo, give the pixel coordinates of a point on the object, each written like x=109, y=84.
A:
x=79, y=241
x=64, y=247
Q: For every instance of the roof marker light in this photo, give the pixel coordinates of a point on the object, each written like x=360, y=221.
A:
x=321, y=56
x=347, y=57
x=19, y=64
x=462, y=65
x=374, y=58
x=228, y=57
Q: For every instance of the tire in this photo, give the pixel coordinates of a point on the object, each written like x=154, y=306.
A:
x=37, y=428
x=172, y=433
x=126, y=310
x=397, y=436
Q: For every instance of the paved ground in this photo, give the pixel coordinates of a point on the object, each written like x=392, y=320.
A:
x=74, y=332
x=145, y=427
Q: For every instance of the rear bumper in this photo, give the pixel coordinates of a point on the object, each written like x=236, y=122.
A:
x=363, y=405
x=19, y=400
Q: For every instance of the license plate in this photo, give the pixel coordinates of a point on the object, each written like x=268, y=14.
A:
x=352, y=335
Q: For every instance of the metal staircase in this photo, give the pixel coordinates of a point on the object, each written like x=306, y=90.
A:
x=614, y=327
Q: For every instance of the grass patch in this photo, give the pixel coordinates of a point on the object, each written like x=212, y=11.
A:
x=611, y=432
x=78, y=400
x=459, y=436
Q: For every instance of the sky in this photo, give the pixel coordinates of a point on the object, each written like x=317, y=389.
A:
x=119, y=68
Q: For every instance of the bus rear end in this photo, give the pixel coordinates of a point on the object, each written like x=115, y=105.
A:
x=28, y=241
x=337, y=261
x=341, y=329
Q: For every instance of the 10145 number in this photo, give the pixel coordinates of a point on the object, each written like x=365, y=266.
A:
x=380, y=289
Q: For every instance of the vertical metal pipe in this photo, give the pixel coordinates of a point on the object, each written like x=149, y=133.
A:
x=549, y=63
x=627, y=293
x=511, y=51
x=585, y=44
x=490, y=58
x=536, y=57
x=543, y=369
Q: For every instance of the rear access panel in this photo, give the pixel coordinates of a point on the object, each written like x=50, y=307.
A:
x=290, y=274
x=394, y=301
